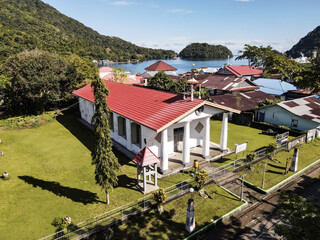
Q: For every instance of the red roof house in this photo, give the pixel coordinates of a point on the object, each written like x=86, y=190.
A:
x=160, y=66
x=241, y=70
x=146, y=158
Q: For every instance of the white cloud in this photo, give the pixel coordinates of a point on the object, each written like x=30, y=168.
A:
x=121, y=3
x=180, y=11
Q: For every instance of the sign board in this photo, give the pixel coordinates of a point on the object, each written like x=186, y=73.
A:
x=241, y=147
x=282, y=138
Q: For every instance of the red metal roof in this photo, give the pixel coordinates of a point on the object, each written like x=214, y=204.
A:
x=146, y=158
x=105, y=69
x=243, y=70
x=160, y=66
x=151, y=108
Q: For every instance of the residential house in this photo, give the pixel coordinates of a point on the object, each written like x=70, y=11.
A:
x=103, y=71
x=160, y=66
x=164, y=122
x=274, y=87
x=300, y=114
x=247, y=71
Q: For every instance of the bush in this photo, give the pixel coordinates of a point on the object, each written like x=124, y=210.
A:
x=201, y=178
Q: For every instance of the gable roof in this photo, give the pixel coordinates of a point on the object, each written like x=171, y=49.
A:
x=105, y=69
x=160, y=66
x=127, y=80
x=242, y=101
x=274, y=86
x=244, y=70
x=227, y=83
x=146, y=157
x=307, y=107
x=154, y=109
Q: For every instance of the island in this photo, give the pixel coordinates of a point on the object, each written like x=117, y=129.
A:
x=205, y=51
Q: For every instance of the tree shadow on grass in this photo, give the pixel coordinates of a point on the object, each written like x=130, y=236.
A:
x=76, y=195
x=82, y=133
x=275, y=172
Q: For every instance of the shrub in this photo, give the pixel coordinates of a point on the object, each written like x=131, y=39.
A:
x=201, y=178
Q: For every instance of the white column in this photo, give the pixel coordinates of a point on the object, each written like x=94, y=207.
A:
x=164, y=148
x=224, y=132
x=206, y=139
x=186, y=146
x=144, y=179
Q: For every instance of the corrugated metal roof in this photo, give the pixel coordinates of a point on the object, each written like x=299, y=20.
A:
x=307, y=107
x=242, y=101
x=227, y=83
x=274, y=86
x=243, y=70
x=154, y=109
x=146, y=158
x=160, y=66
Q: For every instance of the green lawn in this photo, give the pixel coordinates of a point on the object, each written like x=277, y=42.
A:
x=238, y=134
x=155, y=226
x=308, y=154
x=51, y=176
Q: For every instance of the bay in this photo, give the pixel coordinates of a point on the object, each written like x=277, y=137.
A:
x=182, y=65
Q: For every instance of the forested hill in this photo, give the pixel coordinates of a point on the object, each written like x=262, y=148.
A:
x=205, y=51
x=30, y=24
x=306, y=45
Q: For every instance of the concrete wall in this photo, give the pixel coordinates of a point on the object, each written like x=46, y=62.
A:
x=278, y=116
x=148, y=136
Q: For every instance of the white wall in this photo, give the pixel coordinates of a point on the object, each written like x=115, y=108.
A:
x=86, y=109
x=278, y=116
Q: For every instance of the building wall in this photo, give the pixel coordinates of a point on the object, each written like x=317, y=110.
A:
x=152, y=73
x=148, y=136
x=278, y=116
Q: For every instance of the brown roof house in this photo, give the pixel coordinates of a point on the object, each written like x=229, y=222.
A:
x=300, y=114
x=246, y=102
x=161, y=66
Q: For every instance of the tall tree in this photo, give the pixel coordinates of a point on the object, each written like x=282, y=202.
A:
x=311, y=76
x=273, y=62
x=103, y=158
x=35, y=78
x=119, y=75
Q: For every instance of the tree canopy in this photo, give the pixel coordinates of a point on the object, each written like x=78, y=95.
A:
x=33, y=81
x=205, y=51
x=162, y=81
x=302, y=215
x=31, y=24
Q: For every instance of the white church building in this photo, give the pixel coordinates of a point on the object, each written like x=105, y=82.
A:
x=162, y=121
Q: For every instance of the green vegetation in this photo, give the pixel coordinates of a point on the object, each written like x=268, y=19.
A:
x=172, y=225
x=304, y=75
x=103, y=158
x=51, y=176
x=308, y=153
x=205, y=51
x=162, y=81
x=36, y=80
x=28, y=121
x=306, y=45
x=32, y=24
x=302, y=215
x=267, y=102
x=238, y=134
x=273, y=62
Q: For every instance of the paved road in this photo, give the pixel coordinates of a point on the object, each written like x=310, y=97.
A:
x=257, y=221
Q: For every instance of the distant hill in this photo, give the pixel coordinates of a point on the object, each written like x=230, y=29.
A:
x=30, y=24
x=306, y=45
x=205, y=51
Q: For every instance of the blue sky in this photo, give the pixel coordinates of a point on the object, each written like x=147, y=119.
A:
x=173, y=24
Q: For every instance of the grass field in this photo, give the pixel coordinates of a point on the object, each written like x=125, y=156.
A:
x=238, y=134
x=308, y=153
x=155, y=226
x=51, y=176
